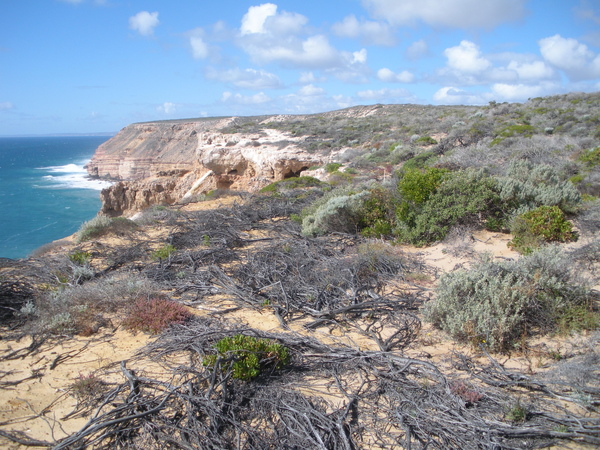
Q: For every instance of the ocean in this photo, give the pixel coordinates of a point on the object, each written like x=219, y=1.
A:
x=45, y=193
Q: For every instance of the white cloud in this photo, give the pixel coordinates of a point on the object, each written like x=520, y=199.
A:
x=144, y=22
x=270, y=36
x=240, y=99
x=535, y=70
x=313, y=52
x=518, y=92
x=308, y=77
x=254, y=20
x=447, y=13
x=417, y=50
x=466, y=58
x=385, y=95
x=311, y=91
x=369, y=32
x=449, y=95
x=246, y=78
x=389, y=76
x=571, y=56
x=199, y=47
x=167, y=108
x=4, y=106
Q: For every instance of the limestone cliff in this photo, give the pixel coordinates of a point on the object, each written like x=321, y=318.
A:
x=163, y=162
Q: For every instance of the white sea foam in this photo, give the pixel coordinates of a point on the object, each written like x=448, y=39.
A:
x=71, y=176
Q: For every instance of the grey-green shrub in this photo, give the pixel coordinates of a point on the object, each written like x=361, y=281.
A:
x=339, y=213
x=528, y=186
x=497, y=302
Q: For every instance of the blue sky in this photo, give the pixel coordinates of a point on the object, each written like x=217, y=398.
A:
x=98, y=65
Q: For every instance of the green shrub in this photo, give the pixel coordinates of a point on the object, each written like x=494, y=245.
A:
x=538, y=226
x=292, y=183
x=426, y=140
x=523, y=130
x=420, y=161
x=499, y=303
x=416, y=186
x=246, y=356
x=591, y=157
x=377, y=213
x=332, y=167
x=80, y=257
x=153, y=315
x=467, y=197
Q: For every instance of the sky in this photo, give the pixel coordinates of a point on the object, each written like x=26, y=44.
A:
x=83, y=66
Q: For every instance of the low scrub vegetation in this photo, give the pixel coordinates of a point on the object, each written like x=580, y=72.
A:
x=247, y=357
x=102, y=225
x=498, y=304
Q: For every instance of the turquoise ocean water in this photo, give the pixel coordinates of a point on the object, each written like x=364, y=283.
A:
x=44, y=190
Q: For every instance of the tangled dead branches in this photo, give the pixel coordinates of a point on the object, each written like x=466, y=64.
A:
x=329, y=396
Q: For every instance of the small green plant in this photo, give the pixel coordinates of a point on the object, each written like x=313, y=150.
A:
x=516, y=413
x=154, y=315
x=246, y=356
x=80, y=257
x=538, y=226
x=523, y=130
x=164, y=252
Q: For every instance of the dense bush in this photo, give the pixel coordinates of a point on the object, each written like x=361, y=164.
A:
x=499, y=303
x=377, y=213
x=538, y=226
x=467, y=197
x=246, y=356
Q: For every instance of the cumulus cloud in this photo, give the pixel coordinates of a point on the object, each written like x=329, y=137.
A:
x=311, y=91
x=246, y=78
x=385, y=95
x=270, y=36
x=535, y=70
x=370, y=32
x=254, y=20
x=309, y=78
x=449, y=95
x=144, y=22
x=389, y=76
x=167, y=108
x=570, y=56
x=4, y=106
x=240, y=99
x=466, y=58
x=447, y=13
x=417, y=50
x=520, y=92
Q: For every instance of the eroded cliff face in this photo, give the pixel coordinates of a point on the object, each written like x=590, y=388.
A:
x=165, y=162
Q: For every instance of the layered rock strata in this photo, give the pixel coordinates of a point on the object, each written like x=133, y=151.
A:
x=165, y=162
